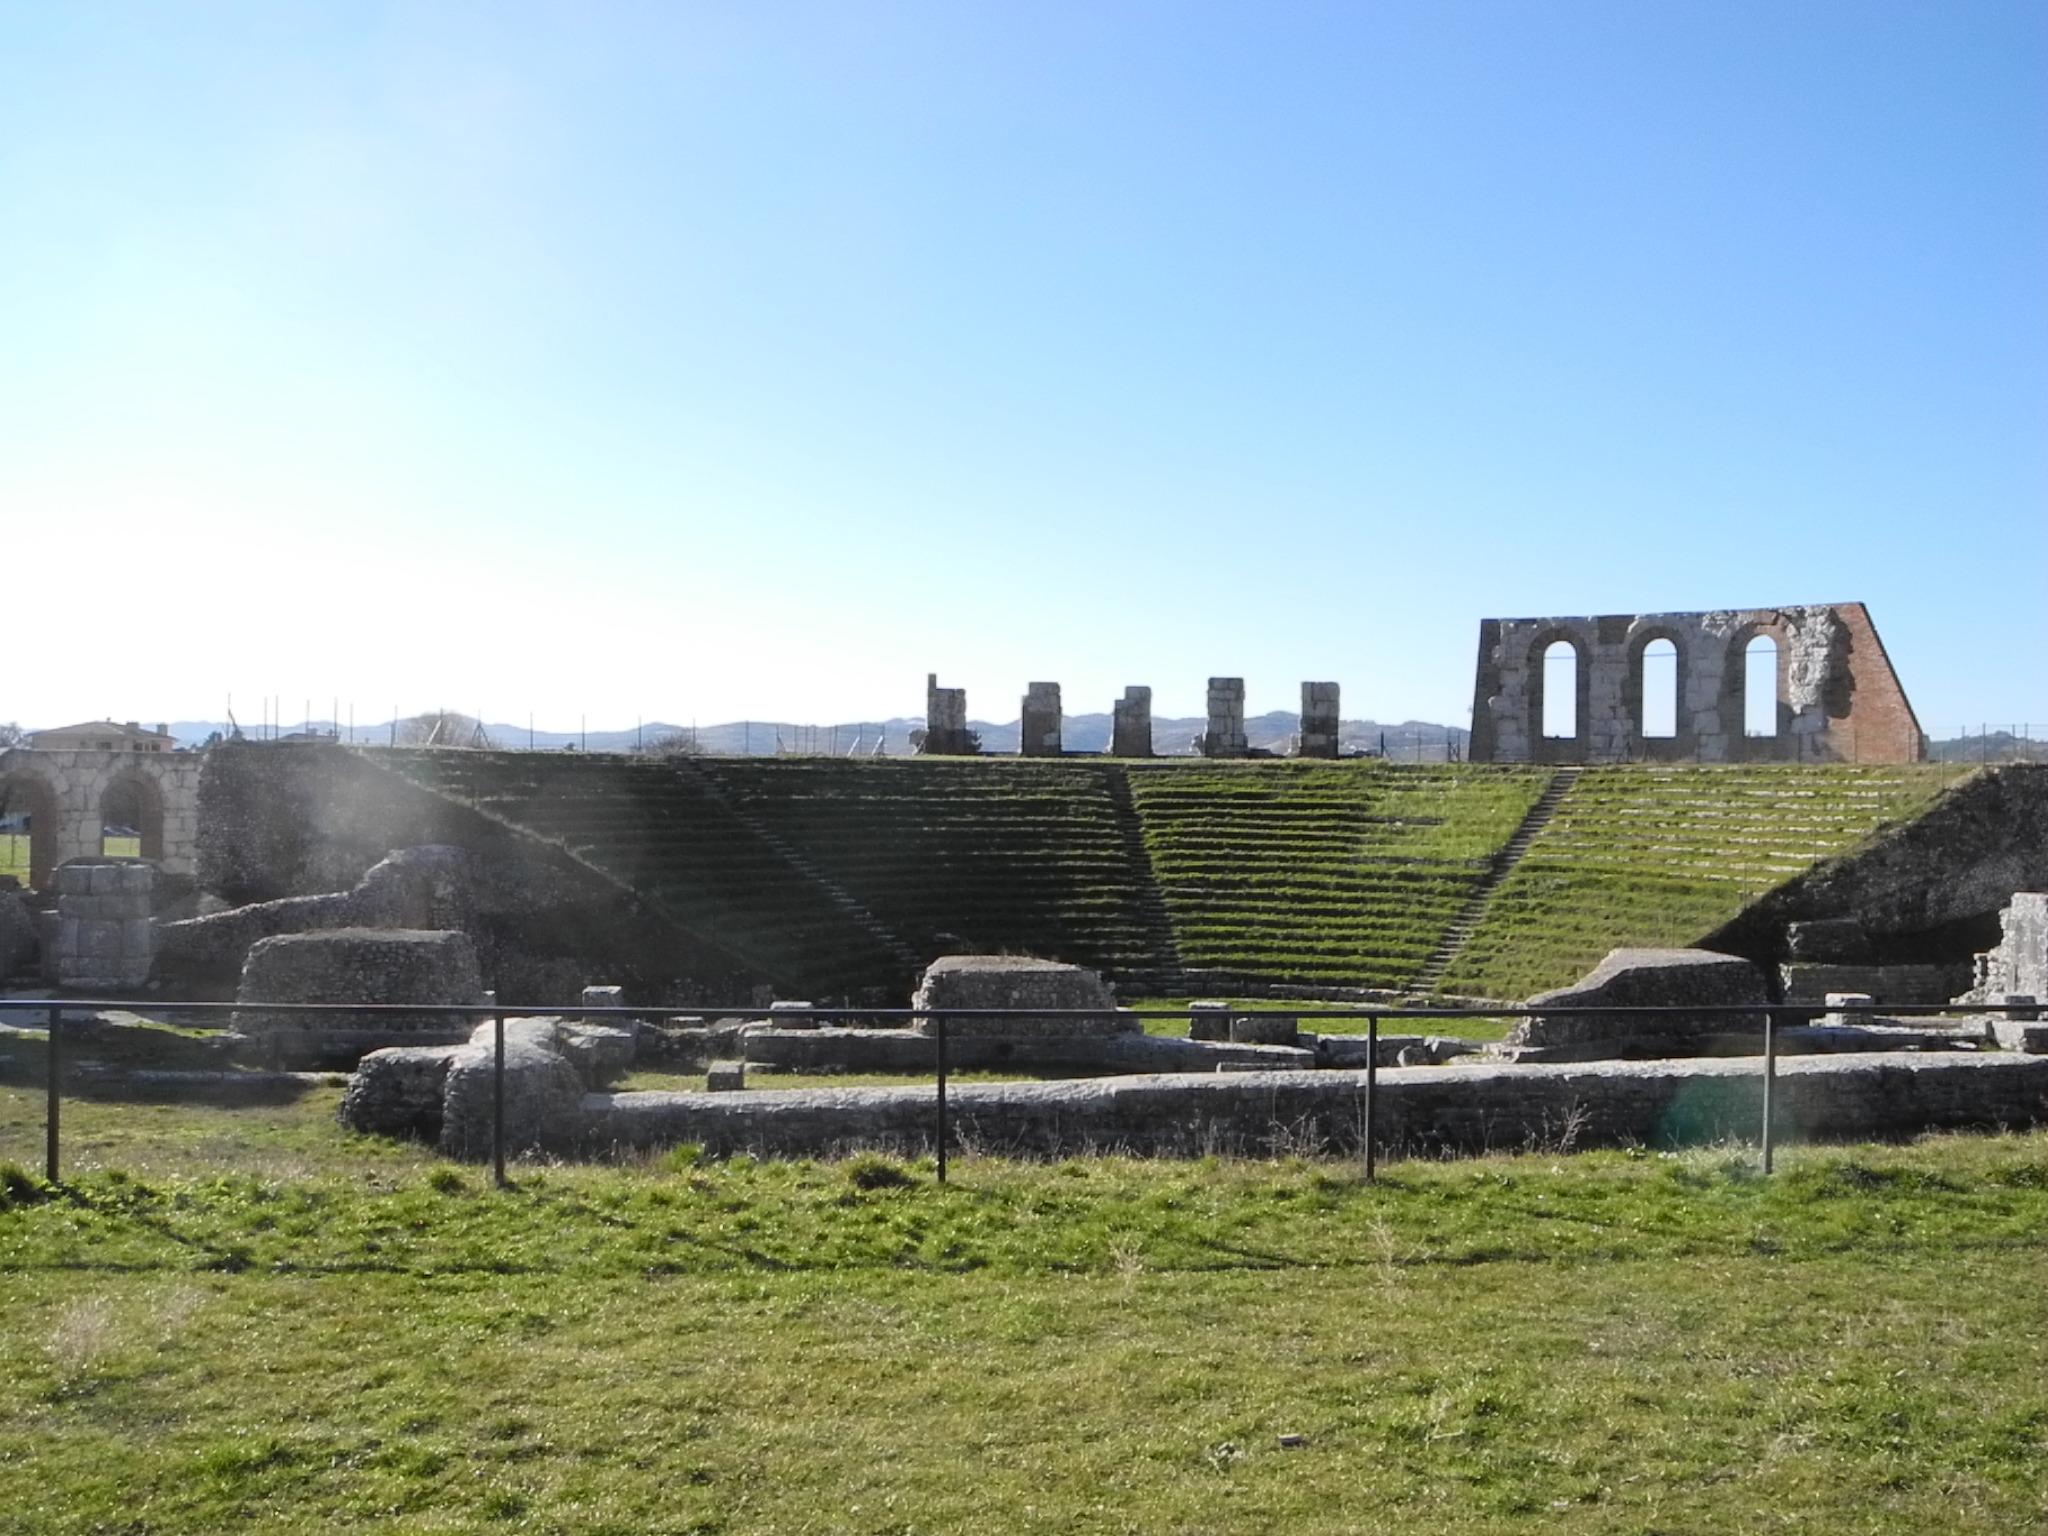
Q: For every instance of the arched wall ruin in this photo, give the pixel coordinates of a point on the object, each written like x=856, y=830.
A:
x=1838, y=699
x=65, y=794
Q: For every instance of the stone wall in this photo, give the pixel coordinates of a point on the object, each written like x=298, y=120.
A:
x=1838, y=699
x=1130, y=731
x=65, y=794
x=1039, y=734
x=1225, y=736
x=1319, y=717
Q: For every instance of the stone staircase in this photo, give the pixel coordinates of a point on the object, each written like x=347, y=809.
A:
x=1168, y=976
x=1432, y=971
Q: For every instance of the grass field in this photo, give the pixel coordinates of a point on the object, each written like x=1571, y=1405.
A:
x=248, y=1320
x=14, y=852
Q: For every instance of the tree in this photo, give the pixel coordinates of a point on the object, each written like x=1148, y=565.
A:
x=12, y=735
x=441, y=728
x=675, y=744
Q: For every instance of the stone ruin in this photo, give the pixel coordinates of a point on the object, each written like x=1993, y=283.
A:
x=1130, y=733
x=1837, y=697
x=1225, y=736
x=1662, y=980
x=1039, y=716
x=974, y=982
x=1319, y=720
x=355, y=965
x=945, y=731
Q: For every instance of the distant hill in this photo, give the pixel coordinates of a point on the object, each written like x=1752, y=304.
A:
x=1417, y=740
x=1992, y=747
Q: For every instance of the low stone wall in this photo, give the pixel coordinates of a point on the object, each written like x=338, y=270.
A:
x=830, y=1049
x=1419, y=1109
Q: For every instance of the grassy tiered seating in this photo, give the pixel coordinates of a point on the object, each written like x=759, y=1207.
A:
x=655, y=826
x=1025, y=857
x=1343, y=874
x=1663, y=856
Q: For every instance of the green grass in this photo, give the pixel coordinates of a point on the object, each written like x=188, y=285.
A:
x=1319, y=874
x=1663, y=856
x=14, y=855
x=280, y=1328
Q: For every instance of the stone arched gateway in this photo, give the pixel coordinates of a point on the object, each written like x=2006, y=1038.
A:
x=66, y=793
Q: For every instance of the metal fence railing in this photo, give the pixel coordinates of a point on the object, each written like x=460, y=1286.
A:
x=61, y=1014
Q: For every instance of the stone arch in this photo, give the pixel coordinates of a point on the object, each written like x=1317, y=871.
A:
x=134, y=797
x=1680, y=744
x=1743, y=747
x=1560, y=749
x=30, y=794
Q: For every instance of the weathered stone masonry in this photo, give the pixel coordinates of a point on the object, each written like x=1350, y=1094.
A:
x=67, y=794
x=1838, y=699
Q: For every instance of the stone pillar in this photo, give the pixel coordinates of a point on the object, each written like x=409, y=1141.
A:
x=1225, y=736
x=1040, y=733
x=104, y=939
x=1130, y=732
x=945, y=722
x=1318, y=720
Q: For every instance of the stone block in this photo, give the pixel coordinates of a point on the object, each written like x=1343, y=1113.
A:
x=975, y=982
x=357, y=965
x=792, y=1015
x=1208, y=1019
x=1264, y=1029
x=725, y=1077
x=604, y=997
x=1671, y=981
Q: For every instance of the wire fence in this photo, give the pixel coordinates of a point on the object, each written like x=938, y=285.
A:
x=64, y=1026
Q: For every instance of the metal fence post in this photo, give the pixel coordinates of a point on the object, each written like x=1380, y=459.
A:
x=498, y=1099
x=939, y=1032
x=1372, y=1089
x=52, y=1066
x=1770, y=1079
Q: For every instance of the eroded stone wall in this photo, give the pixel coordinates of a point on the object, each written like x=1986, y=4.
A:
x=1837, y=697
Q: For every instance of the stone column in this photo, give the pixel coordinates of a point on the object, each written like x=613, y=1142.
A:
x=945, y=721
x=1318, y=720
x=1130, y=733
x=104, y=939
x=1040, y=725
x=1225, y=736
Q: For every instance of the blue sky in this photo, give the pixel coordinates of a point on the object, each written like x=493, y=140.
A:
x=754, y=360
